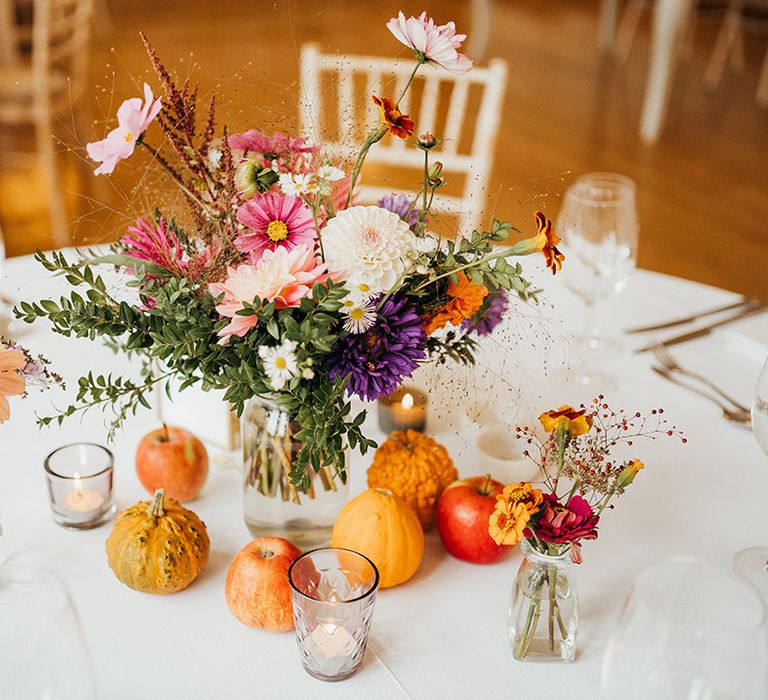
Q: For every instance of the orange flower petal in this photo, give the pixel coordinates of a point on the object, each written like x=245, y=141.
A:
x=11, y=384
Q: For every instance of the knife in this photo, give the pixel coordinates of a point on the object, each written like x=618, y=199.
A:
x=693, y=317
x=706, y=330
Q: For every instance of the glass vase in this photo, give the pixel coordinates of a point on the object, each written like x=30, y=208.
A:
x=273, y=506
x=543, y=613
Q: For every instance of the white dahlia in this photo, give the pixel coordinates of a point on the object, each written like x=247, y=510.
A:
x=368, y=246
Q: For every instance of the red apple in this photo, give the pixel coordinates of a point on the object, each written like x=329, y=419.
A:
x=462, y=519
x=173, y=459
x=257, y=588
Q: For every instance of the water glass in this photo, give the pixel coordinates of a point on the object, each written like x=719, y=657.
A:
x=80, y=485
x=689, y=630
x=333, y=593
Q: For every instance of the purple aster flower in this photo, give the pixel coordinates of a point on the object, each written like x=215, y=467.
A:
x=489, y=316
x=400, y=204
x=377, y=361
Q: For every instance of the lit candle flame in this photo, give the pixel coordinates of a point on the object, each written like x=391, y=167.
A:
x=407, y=401
x=78, y=485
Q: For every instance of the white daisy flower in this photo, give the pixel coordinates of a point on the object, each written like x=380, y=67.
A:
x=214, y=158
x=368, y=246
x=330, y=173
x=279, y=363
x=360, y=317
x=297, y=184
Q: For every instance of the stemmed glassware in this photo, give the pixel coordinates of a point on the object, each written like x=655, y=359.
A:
x=42, y=649
x=690, y=630
x=752, y=563
x=599, y=229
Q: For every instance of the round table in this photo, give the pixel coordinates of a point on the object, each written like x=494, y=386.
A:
x=442, y=634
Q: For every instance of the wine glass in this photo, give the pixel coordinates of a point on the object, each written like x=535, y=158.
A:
x=599, y=229
x=42, y=649
x=752, y=563
x=688, y=630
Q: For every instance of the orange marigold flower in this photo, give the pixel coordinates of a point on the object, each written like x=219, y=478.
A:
x=576, y=422
x=465, y=298
x=11, y=381
x=399, y=124
x=514, y=508
x=547, y=240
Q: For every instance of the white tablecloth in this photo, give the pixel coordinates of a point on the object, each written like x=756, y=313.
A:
x=441, y=635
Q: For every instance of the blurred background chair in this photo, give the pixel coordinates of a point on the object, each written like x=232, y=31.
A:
x=43, y=66
x=335, y=108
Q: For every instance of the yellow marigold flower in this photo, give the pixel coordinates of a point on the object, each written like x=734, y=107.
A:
x=514, y=508
x=545, y=241
x=627, y=475
x=566, y=418
x=548, y=241
x=399, y=124
x=464, y=299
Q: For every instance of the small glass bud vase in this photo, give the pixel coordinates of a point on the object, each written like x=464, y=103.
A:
x=543, y=613
x=273, y=506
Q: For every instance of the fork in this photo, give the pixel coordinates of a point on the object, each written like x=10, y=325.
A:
x=736, y=416
x=669, y=363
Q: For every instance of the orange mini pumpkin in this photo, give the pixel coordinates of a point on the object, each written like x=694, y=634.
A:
x=381, y=526
x=158, y=546
x=416, y=468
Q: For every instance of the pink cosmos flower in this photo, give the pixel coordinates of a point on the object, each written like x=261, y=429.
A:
x=281, y=275
x=274, y=221
x=431, y=42
x=133, y=120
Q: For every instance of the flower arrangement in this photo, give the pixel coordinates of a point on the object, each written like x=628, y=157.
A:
x=19, y=369
x=580, y=481
x=278, y=283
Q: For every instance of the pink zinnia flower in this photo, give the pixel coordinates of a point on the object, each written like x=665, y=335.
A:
x=274, y=221
x=133, y=120
x=281, y=275
x=571, y=522
x=431, y=42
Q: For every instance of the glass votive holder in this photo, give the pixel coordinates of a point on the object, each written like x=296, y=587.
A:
x=333, y=593
x=404, y=409
x=80, y=485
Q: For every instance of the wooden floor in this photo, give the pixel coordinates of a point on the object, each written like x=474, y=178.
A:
x=702, y=188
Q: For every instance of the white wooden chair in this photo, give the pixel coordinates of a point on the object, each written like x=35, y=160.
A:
x=40, y=90
x=336, y=109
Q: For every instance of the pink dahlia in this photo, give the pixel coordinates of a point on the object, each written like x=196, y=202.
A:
x=281, y=275
x=571, y=522
x=431, y=42
x=274, y=221
x=133, y=118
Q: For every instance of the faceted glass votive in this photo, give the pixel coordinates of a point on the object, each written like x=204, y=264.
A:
x=80, y=485
x=334, y=593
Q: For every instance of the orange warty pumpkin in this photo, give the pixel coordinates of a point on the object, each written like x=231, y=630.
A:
x=158, y=546
x=416, y=468
x=380, y=525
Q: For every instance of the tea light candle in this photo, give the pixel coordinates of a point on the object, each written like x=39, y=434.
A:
x=405, y=409
x=82, y=500
x=331, y=640
x=80, y=485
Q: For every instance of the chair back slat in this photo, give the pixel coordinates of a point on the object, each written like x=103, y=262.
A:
x=428, y=112
x=455, y=120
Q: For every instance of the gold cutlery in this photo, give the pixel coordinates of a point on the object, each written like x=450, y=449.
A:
x=744, y=301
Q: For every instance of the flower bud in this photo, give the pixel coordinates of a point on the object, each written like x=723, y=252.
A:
x=434, y=170
x=627, y=475
x=427, y=141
